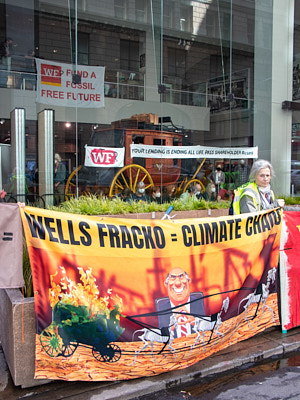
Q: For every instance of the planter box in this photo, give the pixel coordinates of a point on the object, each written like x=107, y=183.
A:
x=17, y=336
x=220, y=212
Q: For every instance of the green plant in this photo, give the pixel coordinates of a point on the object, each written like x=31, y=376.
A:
x=290, y=200
x=27, y=274
x=94, y=205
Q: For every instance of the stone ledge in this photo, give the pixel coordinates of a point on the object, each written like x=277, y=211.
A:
x=17, y=336
x=213, y=213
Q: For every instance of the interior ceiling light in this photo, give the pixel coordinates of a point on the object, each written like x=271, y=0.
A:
x=68, y=124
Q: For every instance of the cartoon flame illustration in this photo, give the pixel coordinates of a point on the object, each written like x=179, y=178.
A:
x=85, y=293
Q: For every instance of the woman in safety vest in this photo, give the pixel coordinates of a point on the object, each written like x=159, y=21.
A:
x=257, y=194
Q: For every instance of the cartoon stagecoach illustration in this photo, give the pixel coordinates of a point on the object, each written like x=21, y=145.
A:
x=73, y=326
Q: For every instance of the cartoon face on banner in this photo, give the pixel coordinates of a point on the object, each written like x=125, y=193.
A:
x=140, y=297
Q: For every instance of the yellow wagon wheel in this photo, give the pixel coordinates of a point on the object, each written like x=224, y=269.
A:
x=193, y=182
x=70, y=189
x=129, y=176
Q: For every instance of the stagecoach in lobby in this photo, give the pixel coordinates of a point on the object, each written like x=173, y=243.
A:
x=145, y=129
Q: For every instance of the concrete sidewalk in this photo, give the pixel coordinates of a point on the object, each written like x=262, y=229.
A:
x=268, y=345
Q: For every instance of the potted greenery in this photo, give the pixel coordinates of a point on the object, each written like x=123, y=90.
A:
x=94, y=205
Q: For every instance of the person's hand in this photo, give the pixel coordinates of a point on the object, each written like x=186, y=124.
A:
x=281, y=202
x=183, y=310
x=3, y=194
x=189, y=319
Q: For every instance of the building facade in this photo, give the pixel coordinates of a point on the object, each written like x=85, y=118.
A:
x=225, y=71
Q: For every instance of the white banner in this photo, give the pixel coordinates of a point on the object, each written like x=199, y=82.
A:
x=145, y=151
x=105, y=157
x=55, y=85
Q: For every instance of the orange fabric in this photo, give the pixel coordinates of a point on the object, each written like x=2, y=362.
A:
x=109, y=272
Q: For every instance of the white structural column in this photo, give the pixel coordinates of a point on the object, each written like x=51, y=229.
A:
x=151, y=78
x=153, y=52
x=273, y=81
x=282, y=89
x=17, y=117
x=46, y=156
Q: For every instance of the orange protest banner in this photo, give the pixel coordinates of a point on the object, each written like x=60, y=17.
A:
x=119, y=299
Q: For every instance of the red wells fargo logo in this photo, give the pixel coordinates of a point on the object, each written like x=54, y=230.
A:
x=51, y=74
x=103, y=157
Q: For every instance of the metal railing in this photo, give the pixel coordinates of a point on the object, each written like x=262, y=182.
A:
x=55, y=199
x=215, y=93
x=30, y=199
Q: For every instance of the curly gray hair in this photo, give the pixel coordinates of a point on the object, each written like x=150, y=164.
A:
x=257, y=166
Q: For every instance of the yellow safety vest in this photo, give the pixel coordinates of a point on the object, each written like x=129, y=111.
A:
x=251, y=190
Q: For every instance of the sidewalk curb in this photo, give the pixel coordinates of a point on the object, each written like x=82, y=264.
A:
x=260, y=348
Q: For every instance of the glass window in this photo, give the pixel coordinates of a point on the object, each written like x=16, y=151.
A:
x=226, y=26
x=169, y=7
x=176, y=62
x=120, y=9
x=224, y=87
x=129, y=55
x=140, y=10
x=82, y=48
x=186, y=18
x=250, y=30
x=211, y=24
x=218, y=65
x=5, y=131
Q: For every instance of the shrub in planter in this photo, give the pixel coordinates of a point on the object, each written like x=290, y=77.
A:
x=93, y=205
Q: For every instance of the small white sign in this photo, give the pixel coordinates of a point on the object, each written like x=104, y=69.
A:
x=105, y=157
x=146, y=151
